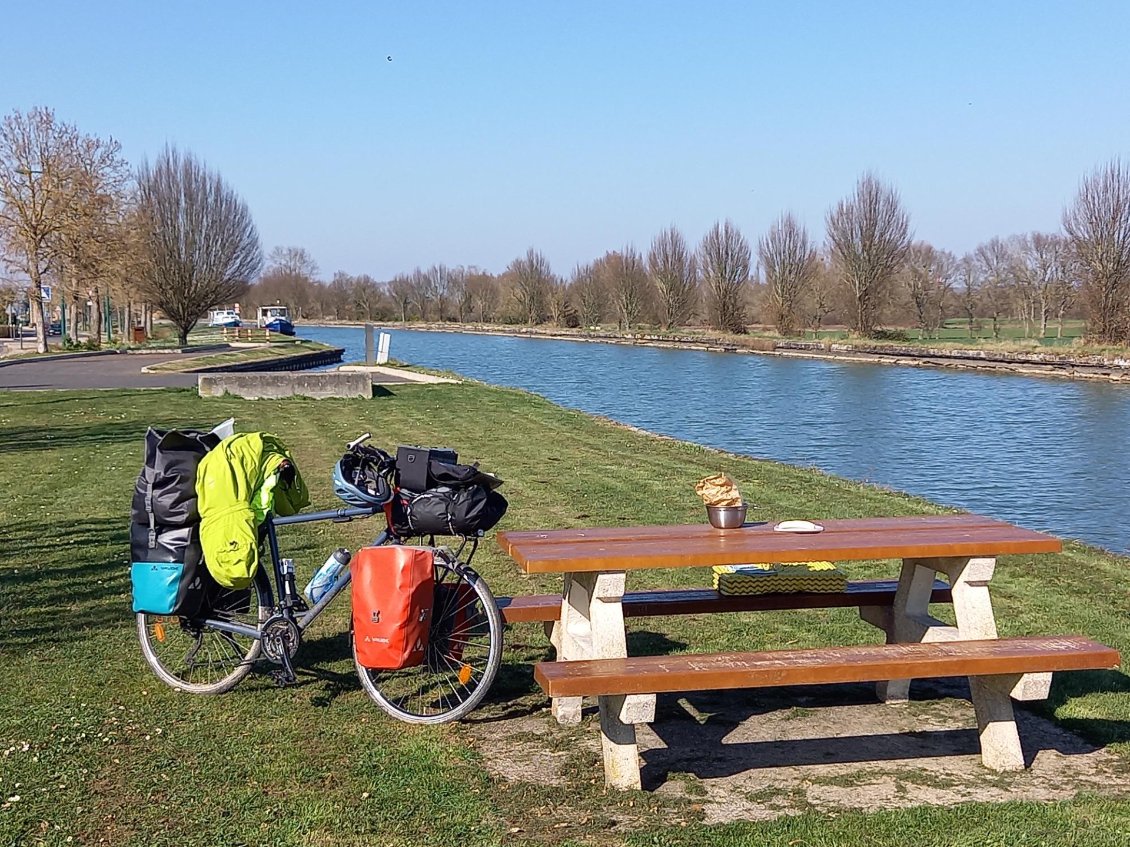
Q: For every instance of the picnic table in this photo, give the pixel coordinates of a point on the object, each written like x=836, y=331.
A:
x=588, y=620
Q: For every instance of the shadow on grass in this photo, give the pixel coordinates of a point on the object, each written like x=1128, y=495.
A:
x=22, y=440
x=695, y=726
x=48, y=598
x=1067, y=687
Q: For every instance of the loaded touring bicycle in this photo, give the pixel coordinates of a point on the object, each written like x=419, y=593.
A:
x=426, y=633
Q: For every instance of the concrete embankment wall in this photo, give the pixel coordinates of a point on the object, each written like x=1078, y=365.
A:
x=268, y=385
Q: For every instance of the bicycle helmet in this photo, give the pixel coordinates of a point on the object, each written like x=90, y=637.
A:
x=358, y=482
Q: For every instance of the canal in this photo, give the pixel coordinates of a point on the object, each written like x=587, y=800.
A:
x=1048, y=454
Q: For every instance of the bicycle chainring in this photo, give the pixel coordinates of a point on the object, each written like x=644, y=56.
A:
x=280, y=635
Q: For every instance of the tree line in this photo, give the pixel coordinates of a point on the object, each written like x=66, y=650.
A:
x=172, y=235
x=869, y=272
x=102, y=238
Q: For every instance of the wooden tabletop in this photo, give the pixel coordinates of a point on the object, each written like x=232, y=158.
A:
x=699, y=545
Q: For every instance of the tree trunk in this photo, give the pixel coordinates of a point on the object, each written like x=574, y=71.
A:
x=96, y=335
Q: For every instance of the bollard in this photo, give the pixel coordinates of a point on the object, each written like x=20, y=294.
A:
x=382, y=348
x=369, y=358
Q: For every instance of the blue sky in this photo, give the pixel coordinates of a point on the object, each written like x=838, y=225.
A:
x=381, y=136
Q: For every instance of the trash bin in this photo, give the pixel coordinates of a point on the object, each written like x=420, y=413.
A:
x=139, y=336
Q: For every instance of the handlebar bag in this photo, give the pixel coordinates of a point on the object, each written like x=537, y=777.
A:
x=392, y=590
x=444, y=510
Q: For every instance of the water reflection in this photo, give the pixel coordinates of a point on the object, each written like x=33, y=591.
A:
x=1046, y=453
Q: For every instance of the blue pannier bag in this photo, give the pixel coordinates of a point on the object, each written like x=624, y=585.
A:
x=168, y=575
x=156, y=586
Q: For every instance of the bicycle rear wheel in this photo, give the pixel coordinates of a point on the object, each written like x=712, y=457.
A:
x=192, y=656
x=462, y=658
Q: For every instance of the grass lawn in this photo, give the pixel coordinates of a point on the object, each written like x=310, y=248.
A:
x=94, y=750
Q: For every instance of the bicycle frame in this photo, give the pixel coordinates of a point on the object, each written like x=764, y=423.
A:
x=307, y=617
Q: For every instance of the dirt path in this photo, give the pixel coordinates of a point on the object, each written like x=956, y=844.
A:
x=761, y=755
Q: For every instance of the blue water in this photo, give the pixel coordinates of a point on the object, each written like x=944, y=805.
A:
x=1049, y=454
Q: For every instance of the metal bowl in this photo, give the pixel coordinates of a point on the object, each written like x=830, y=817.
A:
x=726, y=517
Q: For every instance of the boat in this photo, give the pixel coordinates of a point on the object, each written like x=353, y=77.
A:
x=227, y=318
x=276, y=318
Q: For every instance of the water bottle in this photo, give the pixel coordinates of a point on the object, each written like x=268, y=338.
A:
x=327, y=575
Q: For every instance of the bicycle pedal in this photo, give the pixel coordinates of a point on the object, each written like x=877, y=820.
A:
x=282, y=678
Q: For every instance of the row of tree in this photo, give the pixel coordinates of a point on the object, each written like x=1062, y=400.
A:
x=76, y=220
x=868, y=272
x=173, y=236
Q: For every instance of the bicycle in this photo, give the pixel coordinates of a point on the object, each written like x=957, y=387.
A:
x=213, y=653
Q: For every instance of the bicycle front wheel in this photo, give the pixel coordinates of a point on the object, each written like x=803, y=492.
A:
x=192, y=656
x=462, y=658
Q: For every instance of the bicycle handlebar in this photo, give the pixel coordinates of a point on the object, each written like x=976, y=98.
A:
x=357, y=442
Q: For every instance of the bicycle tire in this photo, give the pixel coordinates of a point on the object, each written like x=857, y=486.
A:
x=172, y=646
x=463, y=655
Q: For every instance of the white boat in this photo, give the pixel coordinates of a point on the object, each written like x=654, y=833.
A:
x=276, y=318
x=223, y=318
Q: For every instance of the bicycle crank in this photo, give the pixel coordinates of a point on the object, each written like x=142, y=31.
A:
x=281, y=639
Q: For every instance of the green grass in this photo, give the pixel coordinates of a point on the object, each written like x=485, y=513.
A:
x=99, y=752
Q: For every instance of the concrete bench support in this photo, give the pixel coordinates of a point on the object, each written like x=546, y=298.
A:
x=269, y=385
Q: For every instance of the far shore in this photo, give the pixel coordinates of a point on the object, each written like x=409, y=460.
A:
x=1029, y=363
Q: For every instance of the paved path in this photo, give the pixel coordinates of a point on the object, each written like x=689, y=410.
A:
x=112, y=371
x=117, y=371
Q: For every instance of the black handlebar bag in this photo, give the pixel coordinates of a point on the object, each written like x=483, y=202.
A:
x=459, y=500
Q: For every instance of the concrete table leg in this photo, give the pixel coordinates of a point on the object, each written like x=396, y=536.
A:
x=592, y=627
x=910, y=619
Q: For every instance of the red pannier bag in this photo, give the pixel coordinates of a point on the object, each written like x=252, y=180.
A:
x=392, y=590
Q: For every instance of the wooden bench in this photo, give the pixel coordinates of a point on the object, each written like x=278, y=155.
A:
x=546, y=608
x=994, y=667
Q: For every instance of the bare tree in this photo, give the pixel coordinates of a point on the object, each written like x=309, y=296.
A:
x=290, y=277
x=484, y=293
x=423, y=292
x=529, y=277
x=788, y=259
x=819, y=300
x=869, y=234
x=928, y=278
x=996, y=267
x=1098, y=225
x=590, y=297
x=968, y=277
x=365, y=296
x=1066, y=289
x=674, y=273
x=439, y=286
x=460, y=294
x=724, y=260
x=97, y=246
x=36, y=197
x=402, y=293
x=622, y=275
x=557, y=302
x=199, y=242
x=1041, y=264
